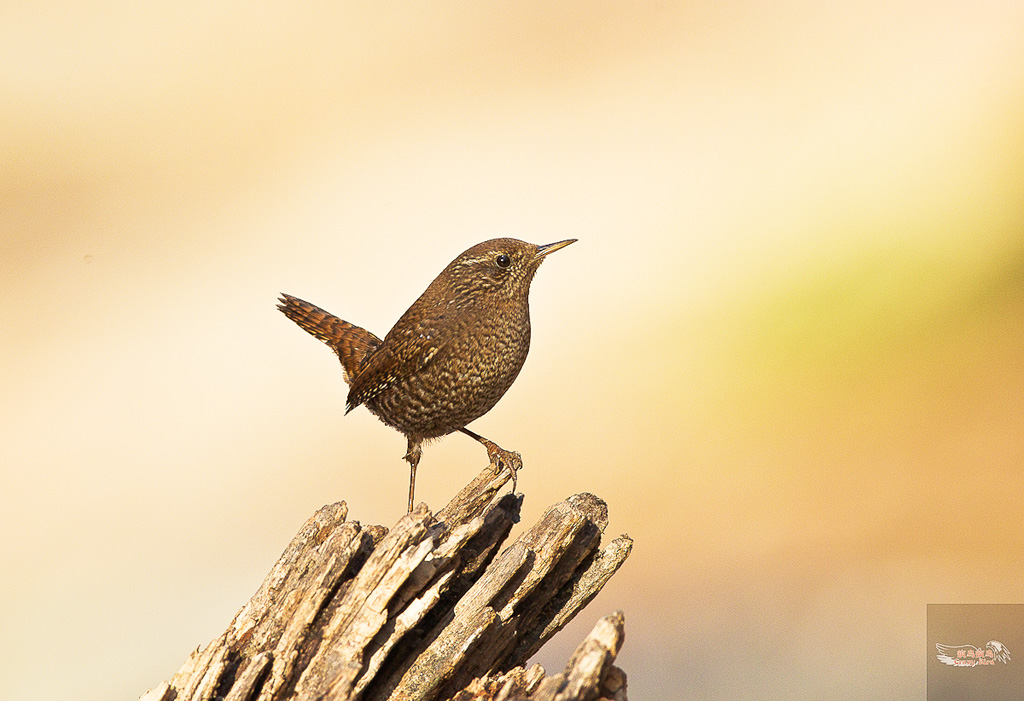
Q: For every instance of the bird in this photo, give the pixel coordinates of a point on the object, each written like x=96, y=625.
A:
x=453, y=354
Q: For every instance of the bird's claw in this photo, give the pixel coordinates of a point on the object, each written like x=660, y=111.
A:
x=502, y=459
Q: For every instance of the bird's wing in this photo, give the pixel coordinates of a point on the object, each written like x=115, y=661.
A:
x=948, y=653
x=402, y=354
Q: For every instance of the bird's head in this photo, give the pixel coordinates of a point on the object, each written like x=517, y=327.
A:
x=496, y=267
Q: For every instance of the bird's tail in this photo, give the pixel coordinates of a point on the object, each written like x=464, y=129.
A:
x=352, y=343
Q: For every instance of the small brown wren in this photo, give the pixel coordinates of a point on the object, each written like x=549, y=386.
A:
x=451, y=356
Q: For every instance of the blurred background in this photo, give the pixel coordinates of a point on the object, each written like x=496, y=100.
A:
x=788, y=349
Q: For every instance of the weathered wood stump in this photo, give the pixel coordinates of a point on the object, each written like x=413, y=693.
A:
x=428, y=610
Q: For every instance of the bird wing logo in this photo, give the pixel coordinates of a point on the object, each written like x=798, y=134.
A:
x=971, y=656
x=1001, y=654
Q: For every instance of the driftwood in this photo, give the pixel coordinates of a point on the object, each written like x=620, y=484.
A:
x=428, y=610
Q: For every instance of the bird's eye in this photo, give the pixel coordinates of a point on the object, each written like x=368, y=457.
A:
x=503, y=261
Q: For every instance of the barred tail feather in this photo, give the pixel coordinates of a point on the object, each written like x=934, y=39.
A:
x=352, y=343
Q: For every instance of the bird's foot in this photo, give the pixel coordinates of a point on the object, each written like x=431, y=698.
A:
x=502, y=459
x=499, y=457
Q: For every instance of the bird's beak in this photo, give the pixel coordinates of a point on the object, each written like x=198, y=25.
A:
x=551, y=248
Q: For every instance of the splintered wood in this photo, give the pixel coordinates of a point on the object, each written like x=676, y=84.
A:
x=429, y=610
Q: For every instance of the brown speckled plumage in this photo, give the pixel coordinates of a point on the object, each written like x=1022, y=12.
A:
x=451, y=356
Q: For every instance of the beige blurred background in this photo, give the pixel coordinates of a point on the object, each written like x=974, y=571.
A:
x=788, y=348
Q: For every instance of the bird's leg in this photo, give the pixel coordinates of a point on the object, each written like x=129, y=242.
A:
x=499, y=457
x=413, y=456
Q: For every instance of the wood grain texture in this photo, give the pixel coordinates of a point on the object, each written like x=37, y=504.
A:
x=428, y=610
